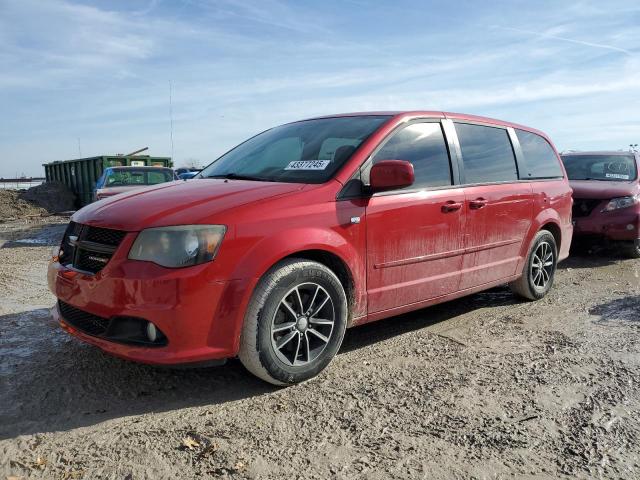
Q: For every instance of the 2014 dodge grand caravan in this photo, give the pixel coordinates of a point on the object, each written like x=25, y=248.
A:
x=309, y=228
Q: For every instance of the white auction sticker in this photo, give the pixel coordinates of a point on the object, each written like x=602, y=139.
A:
x=308, y=165
x=617, y=175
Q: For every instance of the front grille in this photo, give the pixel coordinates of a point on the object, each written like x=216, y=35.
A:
x=91, y=261
x=89, y=248
x=83, y=321
x=583, y=207
x=106, y=236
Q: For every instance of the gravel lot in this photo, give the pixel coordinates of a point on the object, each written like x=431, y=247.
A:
x=482, y=387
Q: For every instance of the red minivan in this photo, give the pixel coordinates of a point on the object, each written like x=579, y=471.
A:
x=309, y=228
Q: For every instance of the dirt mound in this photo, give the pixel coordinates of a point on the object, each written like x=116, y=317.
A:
x=52, y=196
x=12, y=206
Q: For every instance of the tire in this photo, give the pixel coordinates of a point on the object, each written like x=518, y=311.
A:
x=537, y=277
x=273, y=343
x=632, y=250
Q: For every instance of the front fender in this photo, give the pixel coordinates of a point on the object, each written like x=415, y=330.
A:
x=265, y=253
x=270, y=250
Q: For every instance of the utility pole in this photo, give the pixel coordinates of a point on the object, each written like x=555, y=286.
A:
x=171, y=119
x=79, y=149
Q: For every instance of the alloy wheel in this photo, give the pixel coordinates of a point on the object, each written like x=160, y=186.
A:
x=302, y=325
x=542, y=265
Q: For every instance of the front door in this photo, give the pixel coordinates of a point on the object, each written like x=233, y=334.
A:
x=414, y=235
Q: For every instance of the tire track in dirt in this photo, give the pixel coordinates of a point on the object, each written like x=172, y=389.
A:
x=481, y=387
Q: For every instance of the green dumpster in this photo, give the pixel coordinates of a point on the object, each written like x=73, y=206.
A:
x=80, y=175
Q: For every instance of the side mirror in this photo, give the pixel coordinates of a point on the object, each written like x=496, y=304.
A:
x=391, y=174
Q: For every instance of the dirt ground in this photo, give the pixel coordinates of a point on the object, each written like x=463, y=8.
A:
x=483, y=387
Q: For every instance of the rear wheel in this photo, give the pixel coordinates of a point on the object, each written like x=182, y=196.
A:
x=295, y=322
x=539, y=269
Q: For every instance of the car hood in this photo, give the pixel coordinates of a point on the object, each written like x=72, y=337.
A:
x=177, y=203
x=597, y=189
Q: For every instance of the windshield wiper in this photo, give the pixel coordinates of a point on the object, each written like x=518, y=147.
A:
x=238, y=176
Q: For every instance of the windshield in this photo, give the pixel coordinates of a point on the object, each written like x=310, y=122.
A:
x=131, y=176
x=311, y=151
x=617, y=168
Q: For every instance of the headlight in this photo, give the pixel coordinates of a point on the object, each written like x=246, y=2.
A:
x=621, y=202
x=181, y=246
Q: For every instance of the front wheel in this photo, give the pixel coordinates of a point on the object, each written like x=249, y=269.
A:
x=539, y=269
x=295, y=322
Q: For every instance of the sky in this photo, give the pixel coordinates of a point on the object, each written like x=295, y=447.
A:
x=84, y=78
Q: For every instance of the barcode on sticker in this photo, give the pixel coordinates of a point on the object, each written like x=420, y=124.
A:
x=307, y=165
x=617, y=175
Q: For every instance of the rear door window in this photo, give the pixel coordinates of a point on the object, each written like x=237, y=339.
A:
x=487, y=154
x=541, y=161
x=423, y=145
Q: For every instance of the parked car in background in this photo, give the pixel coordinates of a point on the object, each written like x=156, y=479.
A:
x=117, y=180
x=181, y=170
x=309, y=228
x=80, y=175
x=188, y=175
x=606, y=197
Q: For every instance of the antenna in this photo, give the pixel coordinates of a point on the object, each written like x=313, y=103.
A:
x=171, y=118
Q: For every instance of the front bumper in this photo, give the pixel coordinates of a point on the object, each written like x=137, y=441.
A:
x=617, y=225
x=198, y=315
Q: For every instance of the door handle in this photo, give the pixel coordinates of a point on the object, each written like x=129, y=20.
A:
x=477, y=203
x=451, y=206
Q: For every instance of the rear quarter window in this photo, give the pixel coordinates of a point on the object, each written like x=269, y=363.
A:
x=540, y=159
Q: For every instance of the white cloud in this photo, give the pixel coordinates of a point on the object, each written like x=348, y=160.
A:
x=70, y=70
x=271, y=13
x=551, y=34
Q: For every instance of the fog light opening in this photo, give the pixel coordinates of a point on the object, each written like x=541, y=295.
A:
x=630, y=227
x=152, y=332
